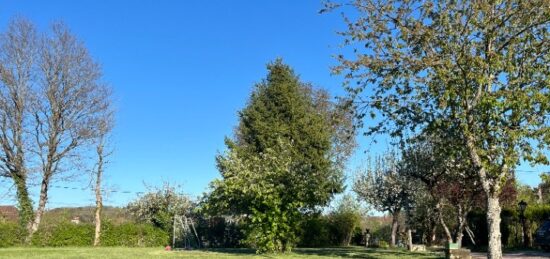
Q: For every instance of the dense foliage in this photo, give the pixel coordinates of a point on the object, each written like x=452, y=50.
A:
x=286, y=159
x=474, y=70
x=257, y=186
x=218, y=232
x=70, y=234
x=11, y=234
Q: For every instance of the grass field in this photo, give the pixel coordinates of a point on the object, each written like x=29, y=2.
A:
x=124, y=252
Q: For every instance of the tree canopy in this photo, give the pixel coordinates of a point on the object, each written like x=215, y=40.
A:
x=475, y=70
x=285, y=160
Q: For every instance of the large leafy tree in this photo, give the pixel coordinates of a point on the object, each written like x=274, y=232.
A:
x=476, y=69
x=286, y=159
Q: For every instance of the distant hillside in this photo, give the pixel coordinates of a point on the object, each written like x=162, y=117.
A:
x=116, y=215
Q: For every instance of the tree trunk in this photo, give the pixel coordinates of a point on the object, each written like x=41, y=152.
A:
x=394, y=226
x=348, y=238
x=493, y=203
x=443, y=224
x=41, y=207
x=493, y=222
x=458, y=238
x=433, y=235
x=462, y=223
x=470, y=234
x=98, y=197
x=409, y=239
x=26, y=212
x=98, y=202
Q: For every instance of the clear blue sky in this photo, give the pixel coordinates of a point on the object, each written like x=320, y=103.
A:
x=180, y=71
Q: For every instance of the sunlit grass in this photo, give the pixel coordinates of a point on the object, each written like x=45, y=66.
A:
x=125, y=252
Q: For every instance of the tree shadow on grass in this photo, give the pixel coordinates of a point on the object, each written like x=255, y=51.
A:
x=361, y=252
x=235, y=251
x=342, y=252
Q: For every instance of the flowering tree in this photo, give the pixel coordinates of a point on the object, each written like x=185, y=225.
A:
x=386, y=189
x=159, y=206
x=477, y=70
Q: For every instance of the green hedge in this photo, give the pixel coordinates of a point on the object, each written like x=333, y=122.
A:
x=64, y=234
x=129, y=234
x=69, y=234
x=10, y=234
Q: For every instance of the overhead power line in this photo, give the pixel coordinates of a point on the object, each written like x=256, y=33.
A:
x=91, y=189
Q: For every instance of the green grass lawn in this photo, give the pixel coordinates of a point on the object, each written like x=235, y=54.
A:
x=124, y=252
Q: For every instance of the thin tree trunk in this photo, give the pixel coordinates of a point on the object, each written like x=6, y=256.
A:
x=348, y=238
x=394, y=226
x=98, y=198
x=458, y=238
x=462, y=223
x=470, y=234
x=105, y=128
x=443, y=224
x=41, y=208
x=409, y=239
x=433, y=235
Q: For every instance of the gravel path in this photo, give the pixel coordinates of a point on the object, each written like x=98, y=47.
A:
x=522, y=255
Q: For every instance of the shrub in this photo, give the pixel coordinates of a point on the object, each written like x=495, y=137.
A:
x=10, y=234
x=342, y=227
x=537, y=213
x=335, y=229
x=383, y=244
x=315, y=232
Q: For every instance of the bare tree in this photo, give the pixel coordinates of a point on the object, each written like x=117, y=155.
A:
x=70, y=106
x=17, y=57
x=104, y=130
x=53, y=107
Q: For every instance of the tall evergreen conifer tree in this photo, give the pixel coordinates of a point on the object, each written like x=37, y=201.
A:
x=281, y=162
